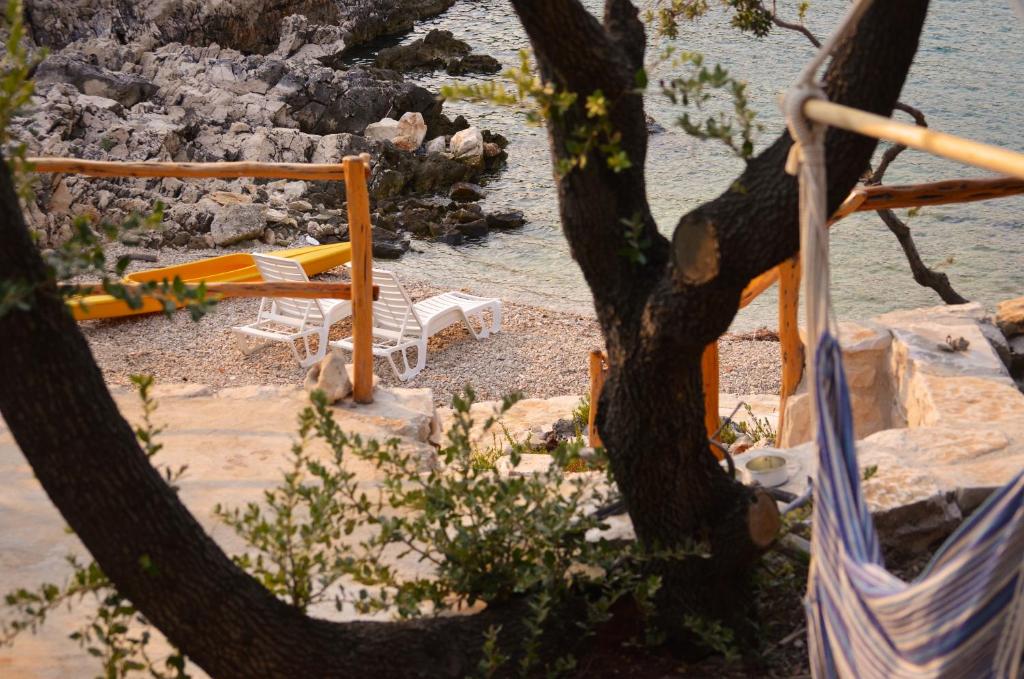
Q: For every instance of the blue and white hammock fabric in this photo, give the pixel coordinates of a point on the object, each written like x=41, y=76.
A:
x=964, y=616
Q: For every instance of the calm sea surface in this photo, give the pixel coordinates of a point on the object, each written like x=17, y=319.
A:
x=967, y=78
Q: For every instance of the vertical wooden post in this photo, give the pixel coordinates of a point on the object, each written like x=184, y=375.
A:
x=709, y=372
x=596, y=384
x=356, y=168
x=789, y=333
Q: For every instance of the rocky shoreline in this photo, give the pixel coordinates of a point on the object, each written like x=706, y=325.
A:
x=256, y=80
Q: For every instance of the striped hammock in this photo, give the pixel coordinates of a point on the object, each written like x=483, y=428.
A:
x=964, y=616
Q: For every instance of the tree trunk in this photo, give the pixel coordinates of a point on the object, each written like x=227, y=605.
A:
x=658, y=316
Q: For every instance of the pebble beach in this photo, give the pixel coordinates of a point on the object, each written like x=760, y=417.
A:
x=539, y=352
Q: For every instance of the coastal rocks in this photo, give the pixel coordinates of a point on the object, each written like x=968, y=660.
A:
x=406, y=133
x=238, y=222
x=468, y=146
x=1010, y=316
x=464, y=192
x=508, y=219
x=473, y=63
x=126, y=89
x=435, y=50
x=127, y=82
x=252, y=26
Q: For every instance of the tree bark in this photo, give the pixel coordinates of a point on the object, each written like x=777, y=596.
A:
x=658, y=316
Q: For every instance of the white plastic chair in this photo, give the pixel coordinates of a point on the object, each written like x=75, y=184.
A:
x=291, y=320
x=400, y=326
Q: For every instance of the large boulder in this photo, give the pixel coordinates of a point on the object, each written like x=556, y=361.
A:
x=467, y=146
x=1010, y=316
x=238, y=222
x=125, y=88
x=435, y=50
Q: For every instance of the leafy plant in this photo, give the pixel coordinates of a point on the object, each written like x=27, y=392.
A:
x=16, y=89
x=697, y=87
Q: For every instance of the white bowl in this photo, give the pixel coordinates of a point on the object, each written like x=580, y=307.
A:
x=768, y=470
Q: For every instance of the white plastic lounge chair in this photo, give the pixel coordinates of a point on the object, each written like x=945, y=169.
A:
x=400, y=326
x=287, y=319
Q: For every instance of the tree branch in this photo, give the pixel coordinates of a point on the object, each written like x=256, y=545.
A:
x=936, y=280
x=755, y=222
x=604, y=213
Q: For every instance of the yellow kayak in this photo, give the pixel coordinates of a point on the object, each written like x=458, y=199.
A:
x=234, y=268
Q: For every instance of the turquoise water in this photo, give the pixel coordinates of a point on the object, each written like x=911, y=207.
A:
x=966, y=78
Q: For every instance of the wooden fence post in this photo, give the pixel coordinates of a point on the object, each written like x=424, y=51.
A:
x=789, y=334
x=709, y=372
x=597, y=373
x=357, y=196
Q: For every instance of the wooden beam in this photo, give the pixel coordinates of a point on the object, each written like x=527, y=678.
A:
x=227, y=170
x=931, y=141
x=297, y=290
x=361, y=237
x=598, y=372
x=938, y=193
x=791, y=348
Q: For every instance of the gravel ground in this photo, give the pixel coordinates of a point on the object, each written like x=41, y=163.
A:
x=539, y=352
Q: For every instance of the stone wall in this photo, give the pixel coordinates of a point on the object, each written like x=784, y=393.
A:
x=941, y=421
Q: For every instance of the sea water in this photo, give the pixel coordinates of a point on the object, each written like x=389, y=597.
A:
x=966, y=79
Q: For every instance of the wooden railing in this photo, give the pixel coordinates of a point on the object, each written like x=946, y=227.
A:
x=353, y=170
x=787, y=274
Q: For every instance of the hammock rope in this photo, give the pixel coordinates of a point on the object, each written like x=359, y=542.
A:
x=964, y=616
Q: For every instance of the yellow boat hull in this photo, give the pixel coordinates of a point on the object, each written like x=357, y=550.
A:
x=234, y=268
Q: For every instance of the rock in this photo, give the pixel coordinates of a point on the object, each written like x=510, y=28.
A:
x=561, y=431
x=530, y=464
x=653, y=126
x=435, y=50
x=474, y=229
x=508, y=219
x=1010, y=316
x=331, y=377
x=332, y=148
x=1016, y=364
x=437, y=145
x=390, y=249
x=126, y=89
x=229, y=198
x=384, y=130
x=866, y=358
x=464, y=192
x=411, y=131
x=998, y=341
x=468, y=146
x=473, y=63
x=237, y=223
x=491, y=150
x=302, y=206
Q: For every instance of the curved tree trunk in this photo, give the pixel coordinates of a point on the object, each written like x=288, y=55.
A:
x=658, y=316
x=656, y=319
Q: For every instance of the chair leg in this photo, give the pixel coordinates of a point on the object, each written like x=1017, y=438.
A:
x=496, y=317
x=242, y=341
x=314, y=357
